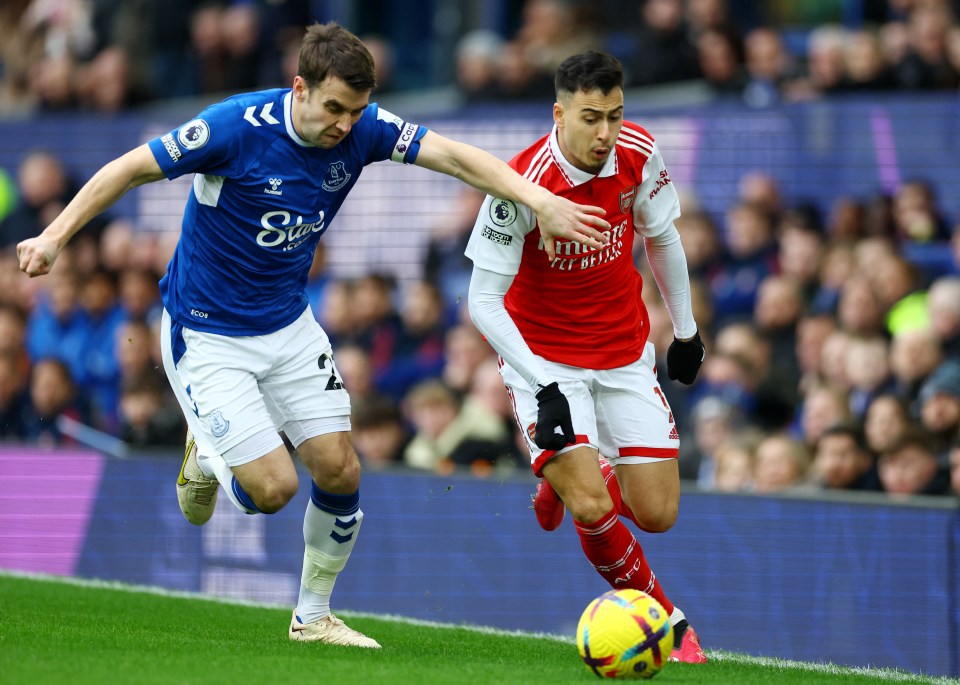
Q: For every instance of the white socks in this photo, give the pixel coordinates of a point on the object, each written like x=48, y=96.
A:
x=330, y=528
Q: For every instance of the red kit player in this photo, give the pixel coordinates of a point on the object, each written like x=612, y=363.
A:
x=572, y=332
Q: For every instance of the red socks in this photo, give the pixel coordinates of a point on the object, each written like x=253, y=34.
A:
x=617, y=556
x=613, y=487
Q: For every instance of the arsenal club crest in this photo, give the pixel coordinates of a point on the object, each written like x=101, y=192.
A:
x=626, y=198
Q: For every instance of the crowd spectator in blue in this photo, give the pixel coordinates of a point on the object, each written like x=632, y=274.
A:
x=56, y=325
x=910, y=466
x=768, y=65
x=841, y=460
x=751, y=257
x=419, y=349
x=53, y=394
x=445, y=264
x=100, y=376
x=939, y=405
x=377, y=325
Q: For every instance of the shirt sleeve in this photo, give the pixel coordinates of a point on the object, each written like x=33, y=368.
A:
x=496, y=242
x=389, y=136
x=657, y=204
x=669, y=266
x=485, y=302
x=209, y=144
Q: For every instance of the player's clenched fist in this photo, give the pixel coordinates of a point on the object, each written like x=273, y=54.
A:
x=684, y=358
x=36, y=255
x=553, y=411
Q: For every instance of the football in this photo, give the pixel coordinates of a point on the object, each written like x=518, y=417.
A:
x=624, y=634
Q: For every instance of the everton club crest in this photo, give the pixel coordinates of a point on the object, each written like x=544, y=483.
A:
x=336, y=177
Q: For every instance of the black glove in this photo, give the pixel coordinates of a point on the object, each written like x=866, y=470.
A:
x=553, y=410
x=684, y=358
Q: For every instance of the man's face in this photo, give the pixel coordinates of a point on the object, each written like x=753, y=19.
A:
x=588, y=124
x=324, y=114
x=839, y=461
x=907, y=471
x=941, y=413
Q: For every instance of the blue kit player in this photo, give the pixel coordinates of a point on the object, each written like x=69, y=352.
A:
x=241, y=348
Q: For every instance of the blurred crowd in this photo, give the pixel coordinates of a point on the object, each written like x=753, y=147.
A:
x=833, y=332
x=833, y=341
x=105, y=55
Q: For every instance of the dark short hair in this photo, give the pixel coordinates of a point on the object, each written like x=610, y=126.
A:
x=330, y=50
x=846, y=429
x=588, y=71
x=912, y=437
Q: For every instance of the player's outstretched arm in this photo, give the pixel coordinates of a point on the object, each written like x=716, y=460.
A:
x=101, y=192
x=557, y=217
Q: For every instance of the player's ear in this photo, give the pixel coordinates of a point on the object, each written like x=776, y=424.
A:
x=299, y=88
x=558, y=113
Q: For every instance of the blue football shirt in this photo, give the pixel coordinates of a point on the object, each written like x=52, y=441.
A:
x=262, y=197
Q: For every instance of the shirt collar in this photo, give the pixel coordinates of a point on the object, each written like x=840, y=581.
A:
x=573, y=174
x=288, y=121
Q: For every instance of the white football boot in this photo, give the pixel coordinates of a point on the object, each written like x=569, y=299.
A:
x=330, y=630
x=196, y=492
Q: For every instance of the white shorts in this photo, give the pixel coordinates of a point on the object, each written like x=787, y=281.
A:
x=621, y=412
x=238, y=392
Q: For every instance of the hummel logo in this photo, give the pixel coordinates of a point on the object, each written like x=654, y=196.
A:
x=274, y=184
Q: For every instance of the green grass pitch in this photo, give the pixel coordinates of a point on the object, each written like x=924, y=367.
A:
x=55, y=630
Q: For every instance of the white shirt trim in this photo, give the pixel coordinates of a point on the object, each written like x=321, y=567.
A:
x=288, y=121
x=579, y=176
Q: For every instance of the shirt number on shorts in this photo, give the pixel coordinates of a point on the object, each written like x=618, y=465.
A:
x=663, y=399
x=334, y=382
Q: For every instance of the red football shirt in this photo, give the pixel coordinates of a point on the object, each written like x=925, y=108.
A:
x=583, y=309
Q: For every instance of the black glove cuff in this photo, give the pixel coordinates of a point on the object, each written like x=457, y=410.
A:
x=548, y=392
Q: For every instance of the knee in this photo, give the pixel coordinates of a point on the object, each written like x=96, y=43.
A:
x=333, y=463
x=589, y=507
x=658, y=519
x=274, y=494
x=347, y=477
